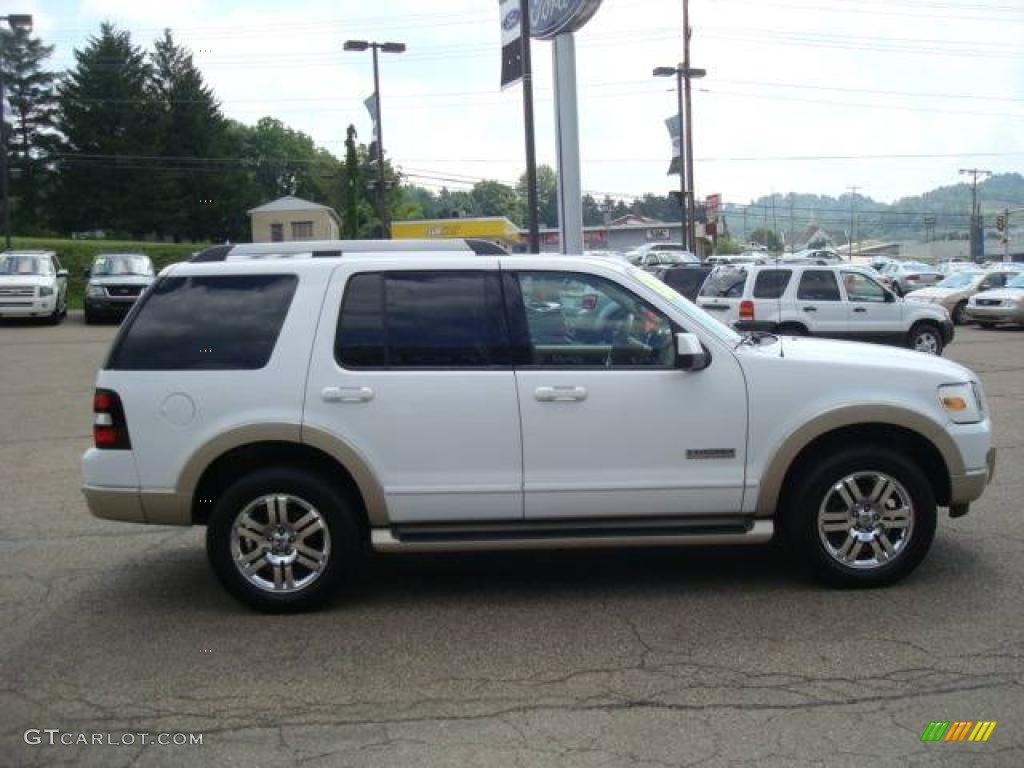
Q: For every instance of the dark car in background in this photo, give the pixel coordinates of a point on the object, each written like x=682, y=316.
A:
x=116, y=280
x=684, y=280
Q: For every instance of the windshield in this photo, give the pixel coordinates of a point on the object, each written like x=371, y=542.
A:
x=693, y=312
x=959, y=280
x=110, y=264
x=725, y=283
x=1017, y=282
x=15, y=264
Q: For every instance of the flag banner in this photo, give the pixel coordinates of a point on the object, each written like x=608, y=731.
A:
x=371, y=107
x=511, y=42
x=675, y=131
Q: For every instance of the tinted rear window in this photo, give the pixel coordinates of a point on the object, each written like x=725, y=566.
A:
x=206, y=324
x=771, y=283
x=686, y=281
x=818, y=285
x=725, y=283
x=422, y=320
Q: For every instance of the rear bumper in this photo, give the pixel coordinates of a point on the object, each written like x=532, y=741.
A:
x=129, y=505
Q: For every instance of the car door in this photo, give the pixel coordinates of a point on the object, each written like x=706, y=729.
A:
x=411, y=370
x=872, y=312
x=819, y=305
x=610, y=427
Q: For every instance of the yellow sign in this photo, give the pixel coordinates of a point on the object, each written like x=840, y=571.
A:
x=491, y=228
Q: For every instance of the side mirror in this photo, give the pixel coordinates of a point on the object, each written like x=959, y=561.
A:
x=690, y=354
x=62, y=273
x=87, y=273
x=890, y=297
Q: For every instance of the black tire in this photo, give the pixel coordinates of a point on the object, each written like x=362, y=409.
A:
x=926, y=335
x=813, y=489
x=792, y=329
x=987, y=326
x=90, y=318
x=346, y=542
x=56, y=317
x=960, y=314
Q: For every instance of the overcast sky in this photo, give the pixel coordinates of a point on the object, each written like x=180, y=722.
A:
x=787, y=79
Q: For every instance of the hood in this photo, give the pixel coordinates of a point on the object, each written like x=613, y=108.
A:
x=26, y=281
x=121, y=280
x=870, y=358
x=933, y=293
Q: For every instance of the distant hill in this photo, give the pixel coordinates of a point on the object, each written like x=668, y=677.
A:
x=904, y=219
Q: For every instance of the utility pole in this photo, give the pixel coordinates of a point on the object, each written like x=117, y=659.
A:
x=1006, y=234
x=792, y=245
x=688, y=74
x=853, y=217
x=977, y=244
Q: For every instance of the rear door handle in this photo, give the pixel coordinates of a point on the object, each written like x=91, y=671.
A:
x=346, y=394
x=560, y=394
x=860, y=309
x=810, y=309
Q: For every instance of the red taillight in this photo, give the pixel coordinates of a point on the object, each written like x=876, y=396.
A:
x=746, y=310
x=109, y=428
x=912, y=278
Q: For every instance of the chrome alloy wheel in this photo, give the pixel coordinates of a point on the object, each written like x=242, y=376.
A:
x=866, y=520
x=280, y=543
x=926, y=341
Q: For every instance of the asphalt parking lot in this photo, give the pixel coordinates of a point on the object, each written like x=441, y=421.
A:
x=667, y=658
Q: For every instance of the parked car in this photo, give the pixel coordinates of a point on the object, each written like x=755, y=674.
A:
x=956, y=265
x=837, y=302
x=1003, y=305
x=906, y=276
x=115, y=282
x=33, y=284
x=660, y=255
x=953, y=292
x=305, y=409
x=685, y=280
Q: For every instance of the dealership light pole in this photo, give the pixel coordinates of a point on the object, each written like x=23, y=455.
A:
x=362, y=45
x=683, y=74
x=17, y=21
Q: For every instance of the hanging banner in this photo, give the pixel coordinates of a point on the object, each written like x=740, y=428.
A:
x=675, y=131
x=511, y=42
x=371, y=107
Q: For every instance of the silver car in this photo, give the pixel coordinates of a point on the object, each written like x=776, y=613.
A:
x=907, y=276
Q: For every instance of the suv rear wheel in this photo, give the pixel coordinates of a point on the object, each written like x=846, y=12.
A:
x=863, y=518
x=925, y=337
x=281, y=539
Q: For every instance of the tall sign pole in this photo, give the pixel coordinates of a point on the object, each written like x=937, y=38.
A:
x=558, y=21
x=531, y=145
x=691, y=206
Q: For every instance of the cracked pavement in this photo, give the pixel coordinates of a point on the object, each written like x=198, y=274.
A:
x=714, y=657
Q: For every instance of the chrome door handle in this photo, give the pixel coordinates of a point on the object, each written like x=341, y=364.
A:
x=810, y=309
x=860, y=309
x=346, y=394
x=560, y=394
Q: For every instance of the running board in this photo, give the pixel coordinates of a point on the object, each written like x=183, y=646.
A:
x=572, y=534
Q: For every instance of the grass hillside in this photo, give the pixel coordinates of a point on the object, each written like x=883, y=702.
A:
x=77, y=255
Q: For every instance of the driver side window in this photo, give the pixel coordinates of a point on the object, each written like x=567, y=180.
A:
x=575, y=320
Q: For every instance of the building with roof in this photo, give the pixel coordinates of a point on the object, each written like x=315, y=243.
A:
x=290, y=219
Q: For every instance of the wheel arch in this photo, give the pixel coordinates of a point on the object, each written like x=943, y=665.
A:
x=920, y=437
x=228, y=456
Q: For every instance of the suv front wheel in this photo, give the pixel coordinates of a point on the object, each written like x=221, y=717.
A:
x=926, y=337
x=863, y=518
x=281, y=539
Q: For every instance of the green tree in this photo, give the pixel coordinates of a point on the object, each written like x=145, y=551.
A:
x=352, y=186
x=593, y=216
x=492, y=198
x=106, y=116
x=547, y=195
x=193, y=193
x=29, y=137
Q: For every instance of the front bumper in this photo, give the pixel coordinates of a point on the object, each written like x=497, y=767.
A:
x=35, y=307
x=971, y=485
x=109, y=306
x=996, y=314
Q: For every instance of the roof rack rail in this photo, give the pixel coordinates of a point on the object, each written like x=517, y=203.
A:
x=322, y=249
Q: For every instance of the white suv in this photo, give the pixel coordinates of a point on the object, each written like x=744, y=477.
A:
x=304, y=409
x=838, y=302
x=33, y=284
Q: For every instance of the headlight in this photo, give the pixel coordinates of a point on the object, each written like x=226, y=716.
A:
x=962, y=402
x=95, y=291
x=44, y=291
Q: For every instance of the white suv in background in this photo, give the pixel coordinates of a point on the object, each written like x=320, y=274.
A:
x=33, y=284
x=838, y=302
x=307, y=406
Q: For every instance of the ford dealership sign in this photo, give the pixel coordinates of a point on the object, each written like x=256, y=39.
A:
x=549, y=18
